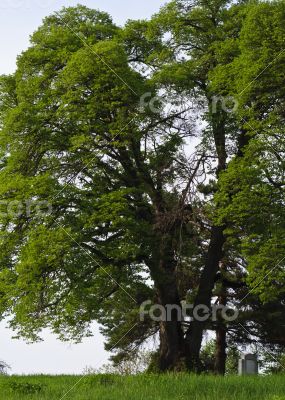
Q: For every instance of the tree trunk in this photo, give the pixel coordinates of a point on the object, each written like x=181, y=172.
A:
x=221, y=355
x=194, y=335
x=221, y=331
x=171, y=334
x=163, y=272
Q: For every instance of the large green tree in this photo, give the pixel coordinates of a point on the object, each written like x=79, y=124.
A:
x=100, y=170
x=105, y=203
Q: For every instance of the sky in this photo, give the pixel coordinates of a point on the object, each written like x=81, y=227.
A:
x=18, y=19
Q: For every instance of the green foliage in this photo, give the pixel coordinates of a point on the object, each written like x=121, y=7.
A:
x=251, y=195
x=271, y=361
x=251, y=191
x=208, y=358
x=78, y=140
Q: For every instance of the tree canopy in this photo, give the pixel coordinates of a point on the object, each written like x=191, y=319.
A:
x=146, y=162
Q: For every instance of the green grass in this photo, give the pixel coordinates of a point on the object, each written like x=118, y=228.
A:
x=143, y=387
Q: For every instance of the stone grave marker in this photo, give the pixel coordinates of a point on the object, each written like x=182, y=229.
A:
x=248, y=364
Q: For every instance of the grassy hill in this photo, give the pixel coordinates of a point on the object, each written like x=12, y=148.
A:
x=143, y=387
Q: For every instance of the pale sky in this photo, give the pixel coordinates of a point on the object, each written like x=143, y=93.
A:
x=18, y=19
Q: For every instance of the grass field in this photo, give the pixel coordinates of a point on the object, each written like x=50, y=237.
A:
x=143, y=387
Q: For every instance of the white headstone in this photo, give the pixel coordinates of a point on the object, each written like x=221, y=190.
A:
x=248, y=364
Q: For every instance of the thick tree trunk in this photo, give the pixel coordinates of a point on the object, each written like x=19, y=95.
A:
x=171, y=334
x=221, y=355
x=194, y=335
x=163, y=271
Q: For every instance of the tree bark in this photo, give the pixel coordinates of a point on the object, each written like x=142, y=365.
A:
x=171, y=334
x=194, y=335
x=163, y=272
x=221, y=345
x=221, y=333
